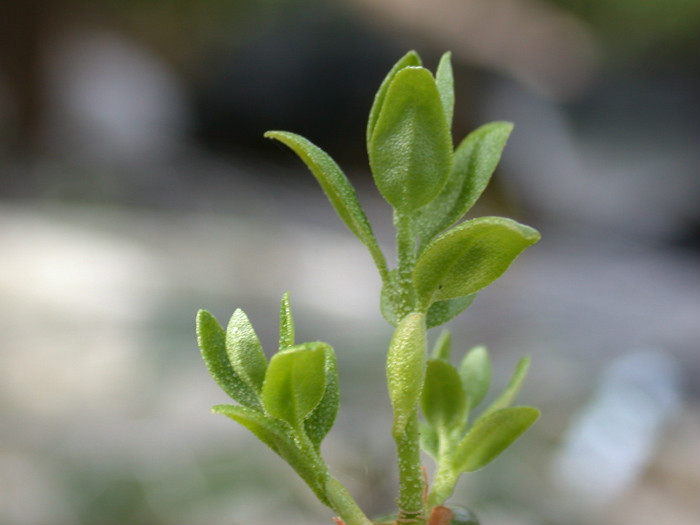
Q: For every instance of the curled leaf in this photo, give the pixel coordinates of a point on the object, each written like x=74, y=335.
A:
x=406, y=368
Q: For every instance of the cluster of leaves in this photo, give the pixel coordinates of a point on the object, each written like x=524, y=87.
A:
x=291, y=403
x=448, y=397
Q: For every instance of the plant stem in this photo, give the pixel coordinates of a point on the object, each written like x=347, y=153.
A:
x=344, y=504
x=410, y=473
x=443, y=484
x=406, y=254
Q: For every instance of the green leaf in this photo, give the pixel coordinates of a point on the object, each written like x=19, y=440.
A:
x=410, y=151
x=442, y=311
x=286, y=323
x=443, y=400
x=336, y=186
x=245, y=351
x=279, y=437
x=406, y=368
x=446, y=86
x=475, y=372
x=320, y=421
x=409, y=59
x=441, y=349
x=212, y=343
x=492, y=435
x=295, y=382
x=469, y=257
x=474, y=161
x=429, y=440
x=508, y=396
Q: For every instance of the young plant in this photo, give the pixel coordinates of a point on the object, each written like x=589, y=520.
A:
x=290, y=402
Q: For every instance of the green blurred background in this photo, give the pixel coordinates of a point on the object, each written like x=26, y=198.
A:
x=136, y=187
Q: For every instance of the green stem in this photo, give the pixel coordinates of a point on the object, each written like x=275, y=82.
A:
x=344, y=504
x=406, y=254
x=410, y=473
x=444, y=484
x=445, y=479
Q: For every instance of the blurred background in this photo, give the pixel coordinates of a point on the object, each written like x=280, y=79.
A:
x=136, y=187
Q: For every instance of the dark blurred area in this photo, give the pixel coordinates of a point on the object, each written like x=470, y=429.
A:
x=136, y=187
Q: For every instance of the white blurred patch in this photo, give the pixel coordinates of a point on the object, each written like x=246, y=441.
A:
x=610, y=441
x=111, y=100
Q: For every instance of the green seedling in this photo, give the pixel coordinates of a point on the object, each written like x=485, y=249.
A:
x=290, y=402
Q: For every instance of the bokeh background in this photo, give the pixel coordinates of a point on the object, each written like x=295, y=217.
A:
x=136, y=187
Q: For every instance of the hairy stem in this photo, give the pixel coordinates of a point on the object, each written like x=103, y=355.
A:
x=344, y=504
x=410, y=473
x=406, y=254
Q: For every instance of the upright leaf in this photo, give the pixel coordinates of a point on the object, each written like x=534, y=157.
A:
x=442, y=347
x=336, y=187
x=295, y=383
x=475, y=373
x=508, y=395
x=446, y=86
x=474, y=161
x=212, y=343
x=245, y=351
x=469, y=257
x=443, y=400
x=410, y=151
x=409, y=59
x=286, y=323
x=406, y=368
x=492, y=435
x=320, y=421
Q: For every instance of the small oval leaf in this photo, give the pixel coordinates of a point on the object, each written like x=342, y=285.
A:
x=410, y=152
x=443, y=400
x=212, y=343
x=492, y=435
x=245, y=351
x=295, y=382
x=286, y=323
x=409, y=59
x=406, y=368
x=469, y=257
x=321, y=420
x=475, y=373
x=474, y=161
